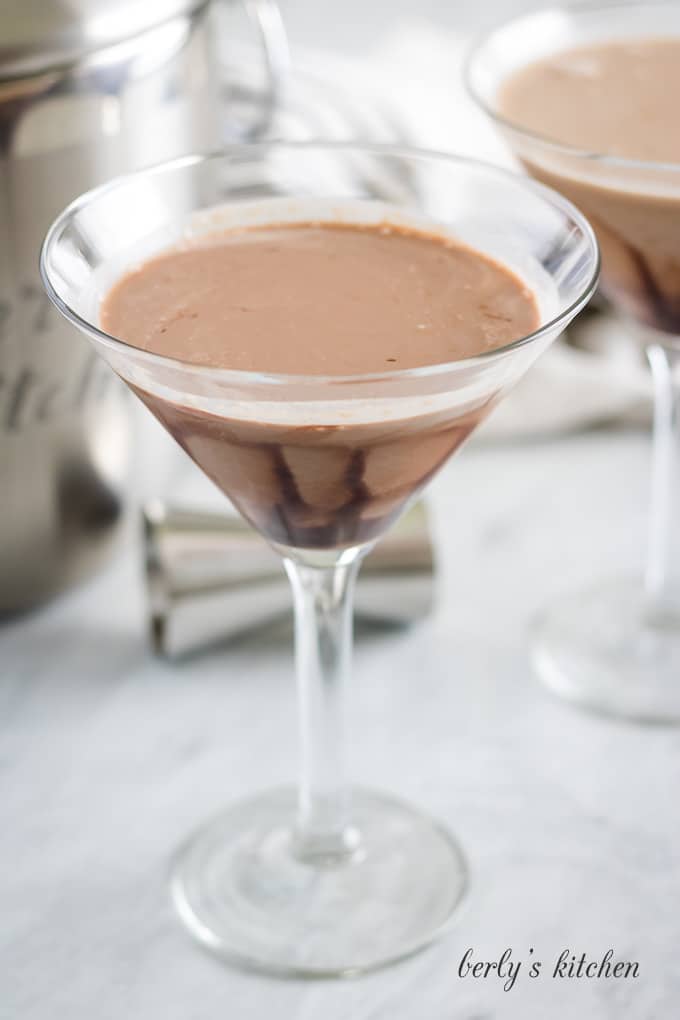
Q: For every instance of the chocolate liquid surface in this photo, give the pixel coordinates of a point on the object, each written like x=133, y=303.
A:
x=616, y=99
x=324, y=300
x=319, y=300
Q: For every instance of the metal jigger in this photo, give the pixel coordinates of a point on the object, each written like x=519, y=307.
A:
x=211, y=577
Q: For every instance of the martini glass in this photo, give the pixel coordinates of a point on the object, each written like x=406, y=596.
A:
x=327, y=880
x=614, y=648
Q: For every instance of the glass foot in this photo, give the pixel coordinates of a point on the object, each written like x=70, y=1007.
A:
x=243, y=892
x=600, y=649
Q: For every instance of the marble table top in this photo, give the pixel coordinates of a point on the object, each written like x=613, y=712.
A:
x=109, y=757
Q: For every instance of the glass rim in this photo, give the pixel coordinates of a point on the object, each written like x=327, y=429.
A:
x=242, y=377
x=592, y=155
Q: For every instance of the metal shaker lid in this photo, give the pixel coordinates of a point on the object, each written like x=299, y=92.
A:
x=39, y=35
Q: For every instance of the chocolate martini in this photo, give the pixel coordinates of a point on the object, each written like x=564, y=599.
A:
x=587, y=98
x=319, y=372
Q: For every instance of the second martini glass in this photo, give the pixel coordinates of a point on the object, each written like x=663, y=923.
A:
x=614, y=648
x=328, y=880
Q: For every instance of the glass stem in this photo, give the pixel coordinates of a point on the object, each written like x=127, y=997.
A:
x=662, y=579
x=323, y=597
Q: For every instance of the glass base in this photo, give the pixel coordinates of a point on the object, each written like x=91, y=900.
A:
x=243, y=892
x=600, y=649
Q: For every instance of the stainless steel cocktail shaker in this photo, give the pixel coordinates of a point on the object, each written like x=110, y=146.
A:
x=88, y=89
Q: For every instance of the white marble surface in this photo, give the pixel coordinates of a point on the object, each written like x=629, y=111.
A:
x=108, y=758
